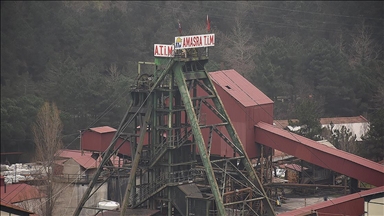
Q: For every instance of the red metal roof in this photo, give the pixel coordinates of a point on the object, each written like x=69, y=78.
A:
x=344, y=120
x=104, y=129
x=86, y=162
x=13, y=193
x=70, y=153
x=343, y=199
x=239, y=88
x=3, y=203
x=83, y=159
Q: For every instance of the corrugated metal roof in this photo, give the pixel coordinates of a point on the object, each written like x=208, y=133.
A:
x=86, y=162
x=3, y=203
x=83, y=159
x=344, y=120
x=343, y=199
x=19, y=192
x=103, y=129
x=70, y=153
x=239, y=88
x=325, y=121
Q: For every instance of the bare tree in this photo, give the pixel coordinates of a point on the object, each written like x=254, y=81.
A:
x=239, y=48
x=341, y=138
x=113, y=72
x=47, y=137
x=363, y=48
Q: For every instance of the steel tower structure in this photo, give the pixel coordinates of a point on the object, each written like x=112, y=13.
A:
x=172, y=168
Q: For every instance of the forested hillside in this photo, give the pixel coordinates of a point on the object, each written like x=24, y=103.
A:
x=83, y=56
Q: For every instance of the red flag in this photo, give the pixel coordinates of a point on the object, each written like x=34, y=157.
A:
x=180, y=27
x=208, y=24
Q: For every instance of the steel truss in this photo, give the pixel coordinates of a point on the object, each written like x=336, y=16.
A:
x=172, y=167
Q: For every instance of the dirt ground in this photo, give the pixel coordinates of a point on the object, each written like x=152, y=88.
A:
x=295, y=201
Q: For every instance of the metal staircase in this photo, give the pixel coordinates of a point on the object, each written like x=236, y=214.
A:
x=171, y=143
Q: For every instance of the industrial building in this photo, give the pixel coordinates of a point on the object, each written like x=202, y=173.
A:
x=199, y=143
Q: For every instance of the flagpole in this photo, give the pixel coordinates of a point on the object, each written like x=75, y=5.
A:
x=208, y=28
x=180, y=29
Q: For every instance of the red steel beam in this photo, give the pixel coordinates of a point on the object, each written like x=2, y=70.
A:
x=352, y=204
x=320, y=155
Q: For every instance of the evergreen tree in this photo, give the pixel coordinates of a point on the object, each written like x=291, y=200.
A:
x=308, y=114
x=372, y=146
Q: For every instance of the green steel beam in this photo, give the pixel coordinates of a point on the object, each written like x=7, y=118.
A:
x=135, y=163
x=140, y=145
x=182, y=85
x=107, y=155
x=162, y=75
x=169, y=136
x=236, y=140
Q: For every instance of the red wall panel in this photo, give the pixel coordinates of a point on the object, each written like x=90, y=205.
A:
x=351, y=208
x=96, y=142
x=91, y=141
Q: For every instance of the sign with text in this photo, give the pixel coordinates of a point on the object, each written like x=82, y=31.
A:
x=194, y=41
x=163, y=50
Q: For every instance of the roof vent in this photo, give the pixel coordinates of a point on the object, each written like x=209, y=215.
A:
x=228, y=87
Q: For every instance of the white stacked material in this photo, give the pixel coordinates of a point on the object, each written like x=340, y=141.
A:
x=108, y=205
x=21, y=172
x=4, y=167
x=9, y=179
x=280, y=173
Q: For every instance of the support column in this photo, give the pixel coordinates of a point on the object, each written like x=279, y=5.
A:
x=180, y=80
x=135, y=163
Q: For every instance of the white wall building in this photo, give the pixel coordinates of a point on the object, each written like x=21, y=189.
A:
x=358, y=125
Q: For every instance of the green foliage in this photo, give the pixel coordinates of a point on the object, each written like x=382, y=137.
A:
x=308, y=116
x=269, y=72
x=373, y=142
x=83, y=55
x=17, y=115
x=327, y=69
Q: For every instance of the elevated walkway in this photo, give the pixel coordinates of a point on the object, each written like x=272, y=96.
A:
x=313, y=152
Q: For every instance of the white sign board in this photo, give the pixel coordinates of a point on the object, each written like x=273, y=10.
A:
x=163, y=50
x=194, y=41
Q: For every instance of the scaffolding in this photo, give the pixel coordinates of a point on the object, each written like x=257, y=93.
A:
x=172, y=168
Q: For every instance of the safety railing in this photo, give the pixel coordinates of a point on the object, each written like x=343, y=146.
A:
x=74, y=178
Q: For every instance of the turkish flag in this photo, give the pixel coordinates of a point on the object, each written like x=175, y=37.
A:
x=208, y=24
x=180, y=29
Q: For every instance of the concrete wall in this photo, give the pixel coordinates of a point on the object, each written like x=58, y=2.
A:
x=71, y=196
x=4, y=213
x=71, y=167
x=374, y=207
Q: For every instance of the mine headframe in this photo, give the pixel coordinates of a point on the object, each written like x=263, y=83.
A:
x=172, y=167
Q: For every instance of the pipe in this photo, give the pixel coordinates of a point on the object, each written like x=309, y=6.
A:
x=144, y=63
